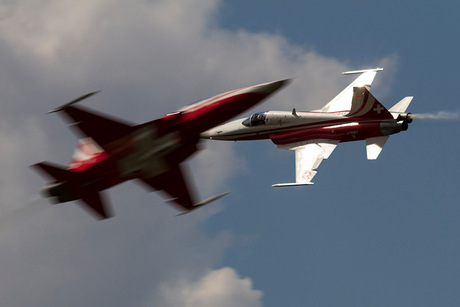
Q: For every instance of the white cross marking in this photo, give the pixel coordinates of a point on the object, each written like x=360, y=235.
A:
x=378, y=109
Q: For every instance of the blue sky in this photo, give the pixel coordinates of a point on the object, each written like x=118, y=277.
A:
x=368, y=233
x=373, y=233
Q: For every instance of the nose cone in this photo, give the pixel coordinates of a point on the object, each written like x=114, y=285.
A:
x=225, y=132
x=217, y=133
x=207, y=134
x=271, y=87
x=234, y=103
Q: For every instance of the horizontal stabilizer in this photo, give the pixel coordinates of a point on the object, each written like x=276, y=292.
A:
x=53, y=170
x=401, y=106
x=70, y=188
x=202, y=203
x=374, y=146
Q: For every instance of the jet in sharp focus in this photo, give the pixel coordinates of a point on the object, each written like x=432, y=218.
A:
x=353, y=115
x=112, y=151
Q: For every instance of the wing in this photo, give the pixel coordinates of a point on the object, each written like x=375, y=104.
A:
x=96, y=204
x=342, y=102
x=308, y=157
x=100, y=127
x=173, y=183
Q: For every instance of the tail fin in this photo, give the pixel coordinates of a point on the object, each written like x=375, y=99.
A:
x=68, y=187
x=87, y=153
x=342, y=102
x=365, y=105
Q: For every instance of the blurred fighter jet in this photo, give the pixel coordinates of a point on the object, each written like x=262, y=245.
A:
x=113, y=151
x=353, y=115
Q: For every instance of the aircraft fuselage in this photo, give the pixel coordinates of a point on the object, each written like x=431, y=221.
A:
x=290, y=127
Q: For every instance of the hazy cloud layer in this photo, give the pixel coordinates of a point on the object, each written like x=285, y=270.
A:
x=149, y=58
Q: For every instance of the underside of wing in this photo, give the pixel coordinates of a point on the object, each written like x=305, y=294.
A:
x=100, y=127
x=96, y=204
x=173, y=183
x=308, y=157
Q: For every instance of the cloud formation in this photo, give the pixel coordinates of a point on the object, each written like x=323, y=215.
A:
x=149, y=58
x=222, y=287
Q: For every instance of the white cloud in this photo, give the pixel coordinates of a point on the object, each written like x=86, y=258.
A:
x=222, y=287
x=149, y=58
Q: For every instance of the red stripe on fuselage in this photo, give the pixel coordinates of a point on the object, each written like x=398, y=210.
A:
x=269, y=132
x=263, y=134
x=343, y=133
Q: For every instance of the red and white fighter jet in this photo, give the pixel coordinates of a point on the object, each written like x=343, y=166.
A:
x=113, y=151
x=352, y=115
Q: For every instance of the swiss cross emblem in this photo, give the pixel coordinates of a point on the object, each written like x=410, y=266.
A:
x=307, y=175
x=378, y=109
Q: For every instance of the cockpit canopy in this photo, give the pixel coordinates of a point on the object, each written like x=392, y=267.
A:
x=255, y=119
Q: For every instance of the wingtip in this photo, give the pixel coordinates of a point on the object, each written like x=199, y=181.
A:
x=285, y=82
x=352, y=72
x=58, y=109
x=202, y=203
x=271, y=87
x=294, y=184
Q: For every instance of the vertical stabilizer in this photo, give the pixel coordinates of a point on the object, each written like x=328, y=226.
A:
x=87, y=154
x=365, y=105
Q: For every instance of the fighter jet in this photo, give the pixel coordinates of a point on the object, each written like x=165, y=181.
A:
x=112, y=151
x=353, y=115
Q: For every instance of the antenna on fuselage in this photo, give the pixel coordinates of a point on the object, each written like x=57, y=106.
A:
x=294, y=113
